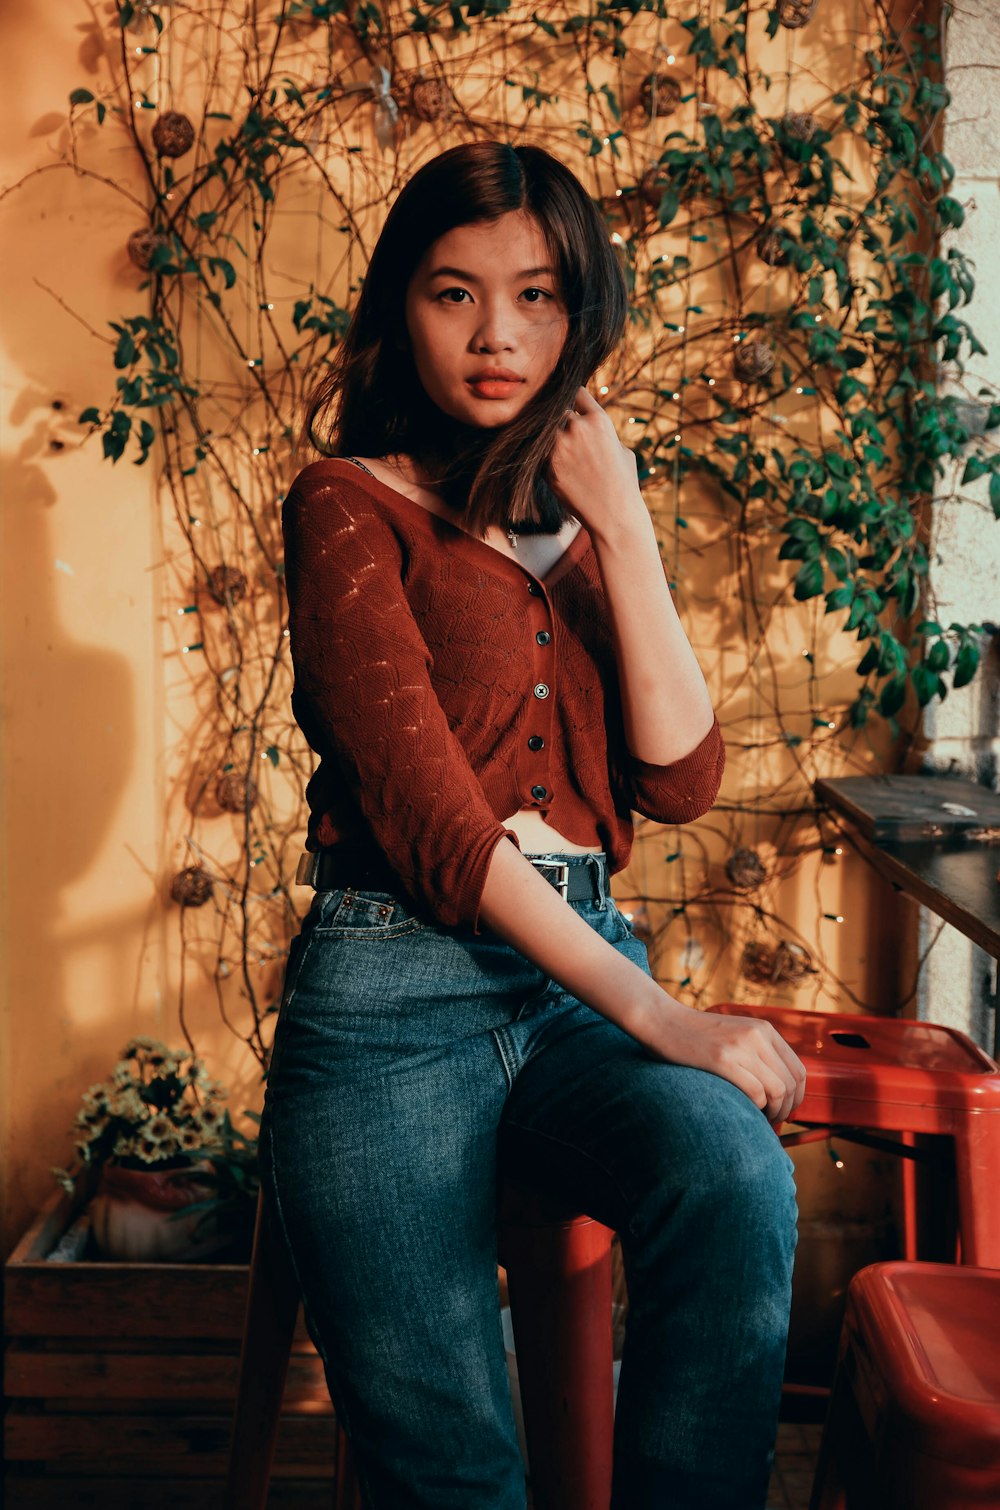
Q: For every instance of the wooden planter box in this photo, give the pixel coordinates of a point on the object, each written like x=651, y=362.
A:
x=120, y=1379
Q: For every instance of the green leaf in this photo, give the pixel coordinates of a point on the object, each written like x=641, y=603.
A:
x=974, y=467
x=125, y=351
x=995, y=493
x=90, y=417
x=80, y=97
x=809, y=580
x=966, y=665
x=893, y=696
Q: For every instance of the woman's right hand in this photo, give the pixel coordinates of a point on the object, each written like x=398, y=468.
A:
x=747, y=1051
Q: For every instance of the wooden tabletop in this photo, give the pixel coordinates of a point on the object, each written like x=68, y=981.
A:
x=937, y=838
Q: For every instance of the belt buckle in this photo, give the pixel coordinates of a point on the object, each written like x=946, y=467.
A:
x=562, y=883
x=308, y=868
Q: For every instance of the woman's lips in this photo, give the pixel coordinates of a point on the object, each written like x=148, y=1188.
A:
x=495, y=387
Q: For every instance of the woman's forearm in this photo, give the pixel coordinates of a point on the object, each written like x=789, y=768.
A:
x=666, y=706
x=528, y=913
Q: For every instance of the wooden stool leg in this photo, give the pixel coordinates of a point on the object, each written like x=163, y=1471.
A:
x=272, y=1308
x=559, y=1279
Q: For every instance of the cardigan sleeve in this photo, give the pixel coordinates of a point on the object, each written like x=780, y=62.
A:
x=363, y=665
x=684, y=789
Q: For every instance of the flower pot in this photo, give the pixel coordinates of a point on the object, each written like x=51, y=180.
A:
x=139, y=1216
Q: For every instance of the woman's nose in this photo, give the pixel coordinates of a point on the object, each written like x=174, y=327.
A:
x=495, y=331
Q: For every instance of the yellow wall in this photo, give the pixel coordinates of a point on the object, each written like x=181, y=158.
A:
x=93, y=697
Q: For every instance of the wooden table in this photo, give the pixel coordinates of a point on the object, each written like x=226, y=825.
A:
x=936, y=838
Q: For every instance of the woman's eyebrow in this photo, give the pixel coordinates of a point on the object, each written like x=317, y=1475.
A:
x=456, y=272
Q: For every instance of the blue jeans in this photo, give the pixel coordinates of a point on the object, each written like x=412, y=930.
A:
x=407, y=1058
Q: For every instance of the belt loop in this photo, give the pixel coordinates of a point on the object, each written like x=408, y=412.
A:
x=598, y=874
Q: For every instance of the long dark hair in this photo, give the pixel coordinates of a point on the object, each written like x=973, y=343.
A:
x=371, y=402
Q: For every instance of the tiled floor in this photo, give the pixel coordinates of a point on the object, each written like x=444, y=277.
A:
x=794, y=1465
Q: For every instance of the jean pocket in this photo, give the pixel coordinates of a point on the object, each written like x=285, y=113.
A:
x=371, y=916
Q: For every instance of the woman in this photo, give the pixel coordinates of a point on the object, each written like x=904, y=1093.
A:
x=490, y=667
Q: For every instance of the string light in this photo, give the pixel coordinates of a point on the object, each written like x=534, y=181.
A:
x=603, y=388
x=186, y=649
x=675, y=395
x=671, y=58
x=798, y=390
x=711, y=382
x=834, y=917
x=835, y=1158
x=265, y=306
x=191, y=608
x=617, y=239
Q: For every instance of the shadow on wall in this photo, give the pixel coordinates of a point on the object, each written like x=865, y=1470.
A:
x=68, y=711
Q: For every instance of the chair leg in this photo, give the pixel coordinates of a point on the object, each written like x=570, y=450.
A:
x=559, y=1280
x=272, y=1309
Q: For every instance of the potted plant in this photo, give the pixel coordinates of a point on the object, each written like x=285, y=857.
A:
x=174, y=1179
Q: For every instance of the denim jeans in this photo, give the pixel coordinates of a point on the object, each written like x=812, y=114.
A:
x=408, y=1059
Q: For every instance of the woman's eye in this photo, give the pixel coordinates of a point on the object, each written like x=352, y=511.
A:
x=446, y=291
x=541, y=291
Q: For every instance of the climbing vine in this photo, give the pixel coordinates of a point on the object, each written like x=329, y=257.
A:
x=792, y=377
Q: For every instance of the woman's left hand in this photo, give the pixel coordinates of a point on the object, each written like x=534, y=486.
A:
x=591, y=472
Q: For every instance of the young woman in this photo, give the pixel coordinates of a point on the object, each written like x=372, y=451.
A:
x=489, y=665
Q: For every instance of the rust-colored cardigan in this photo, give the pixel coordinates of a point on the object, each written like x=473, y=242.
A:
x=444, y=687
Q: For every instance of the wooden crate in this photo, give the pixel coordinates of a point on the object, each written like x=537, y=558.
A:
x=120, y=1380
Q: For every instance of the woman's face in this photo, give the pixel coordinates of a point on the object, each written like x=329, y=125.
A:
x=485, y=299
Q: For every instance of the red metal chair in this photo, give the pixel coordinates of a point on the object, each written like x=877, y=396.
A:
x=914, y=1418
x=559, y=1278
x=872, y=1074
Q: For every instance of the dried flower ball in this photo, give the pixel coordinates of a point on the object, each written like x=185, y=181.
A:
x=795, y=13
x=429, y=99
x=652, y=186
x=191, y=887
x=745, y=869
x=659, y=95
x=799, y=125
x=786, y=964
x=235, y=793
x=227, y=584
x=173, y=134
x=142, y=244
x=771, y=249
x=753, y=360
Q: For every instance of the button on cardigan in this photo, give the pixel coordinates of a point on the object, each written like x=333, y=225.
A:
x=443, y=687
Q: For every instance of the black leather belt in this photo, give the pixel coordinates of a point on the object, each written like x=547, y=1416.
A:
x=329, y=869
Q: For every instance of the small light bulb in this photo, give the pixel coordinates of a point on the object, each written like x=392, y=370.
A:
x=607, y=141
x=671, y=58
x=616, y=238
x=603, y=388
x=839, y=850
x=736, y=340
x=798, y=390
x=618, y=193
x=286, y=633
x=677, y=436
x=256, y=450
x=711, y=382
x=651, y=471
x=830, y=724
x=818, y=319
x=675, y=395
x=680, y=329
x=251, y=362
x=631, y=420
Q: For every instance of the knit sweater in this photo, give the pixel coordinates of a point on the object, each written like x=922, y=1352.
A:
x=444, y=687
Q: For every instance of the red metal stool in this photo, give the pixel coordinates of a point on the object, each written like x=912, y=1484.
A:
x=881, y=1073
x=559, y=1277
x=914, y=1418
